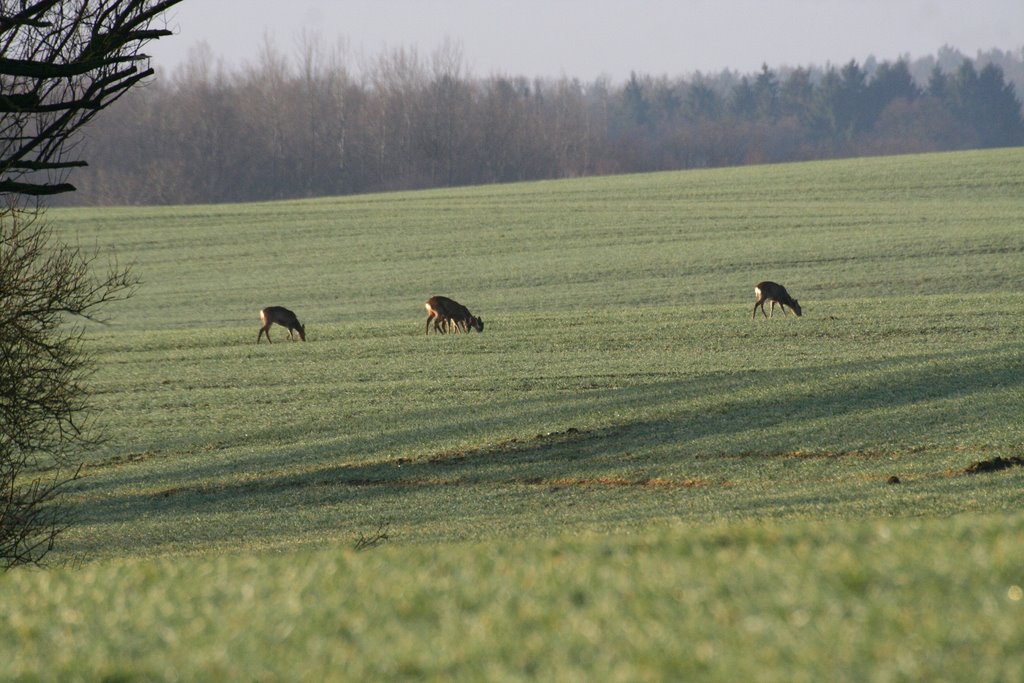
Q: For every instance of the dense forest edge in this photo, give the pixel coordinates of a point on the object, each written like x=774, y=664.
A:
x=319, y=123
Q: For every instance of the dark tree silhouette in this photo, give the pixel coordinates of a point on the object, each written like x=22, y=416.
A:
x=996, y=112
x=766, y=92
x=43, y=366
x=891, y=82
x=743, y=100
x=61, y=63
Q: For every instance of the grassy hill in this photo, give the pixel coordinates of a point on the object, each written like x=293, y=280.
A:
x=623, y=476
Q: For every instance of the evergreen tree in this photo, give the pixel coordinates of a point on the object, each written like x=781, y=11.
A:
x=824, y=119
x=743, y=102
x=996, y=110
x=962, y=91
x=891, y=82
x=796, y=95
x=938, y=84
x=636, y=103
x=853, y=112
x=702, y=102
x=766, y=94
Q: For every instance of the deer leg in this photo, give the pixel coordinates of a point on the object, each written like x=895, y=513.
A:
x=430, y=316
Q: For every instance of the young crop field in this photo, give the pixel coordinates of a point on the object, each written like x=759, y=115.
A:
x=623, y=477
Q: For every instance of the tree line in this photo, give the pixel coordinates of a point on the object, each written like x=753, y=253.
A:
x=314, y=125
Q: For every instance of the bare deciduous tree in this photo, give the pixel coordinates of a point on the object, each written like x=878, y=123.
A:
x=43, y=368
x=61, y=63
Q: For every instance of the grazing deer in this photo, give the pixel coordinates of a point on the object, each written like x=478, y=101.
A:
x=448, y=314
x=773, y=293
x=283, y=317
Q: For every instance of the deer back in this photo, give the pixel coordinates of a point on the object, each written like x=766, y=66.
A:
x=448, y=308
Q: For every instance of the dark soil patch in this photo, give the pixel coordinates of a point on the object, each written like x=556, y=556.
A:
x=994, y=465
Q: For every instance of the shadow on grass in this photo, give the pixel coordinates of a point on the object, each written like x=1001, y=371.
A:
x=759, y=413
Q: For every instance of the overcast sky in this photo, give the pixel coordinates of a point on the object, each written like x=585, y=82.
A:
x=592, y=38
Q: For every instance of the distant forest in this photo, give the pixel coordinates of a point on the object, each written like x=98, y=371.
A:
x=315, y=125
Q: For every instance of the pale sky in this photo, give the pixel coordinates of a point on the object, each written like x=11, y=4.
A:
x=592, y=38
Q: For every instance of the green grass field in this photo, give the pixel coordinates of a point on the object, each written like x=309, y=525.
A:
x=623, y=477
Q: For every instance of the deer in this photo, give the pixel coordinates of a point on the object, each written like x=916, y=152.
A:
x=775, y=294
x=450, y=314
x=283, y=317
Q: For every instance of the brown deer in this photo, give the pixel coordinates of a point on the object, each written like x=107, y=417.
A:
x=775, y=294
x=283, y=317
x=448, y=314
